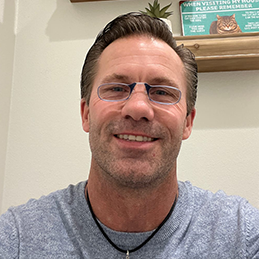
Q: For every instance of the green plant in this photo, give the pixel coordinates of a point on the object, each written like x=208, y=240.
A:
x=154, y=10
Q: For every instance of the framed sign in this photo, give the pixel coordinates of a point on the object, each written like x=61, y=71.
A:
x=199, y=17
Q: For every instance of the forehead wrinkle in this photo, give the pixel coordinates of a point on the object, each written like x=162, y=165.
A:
x=162, y=81
x=116, y=77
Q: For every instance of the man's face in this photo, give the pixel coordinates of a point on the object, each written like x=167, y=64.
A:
x=136, y=142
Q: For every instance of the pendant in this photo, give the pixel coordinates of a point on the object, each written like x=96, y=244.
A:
x=127, y=255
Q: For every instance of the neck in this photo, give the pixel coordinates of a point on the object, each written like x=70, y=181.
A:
x=131, y=210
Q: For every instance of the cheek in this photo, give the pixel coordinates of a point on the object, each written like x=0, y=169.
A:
x=97, y=110
x=173, y=120
x=172, y=114
x=102, y=113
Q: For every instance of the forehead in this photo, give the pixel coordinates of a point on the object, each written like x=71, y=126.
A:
x=140, y=59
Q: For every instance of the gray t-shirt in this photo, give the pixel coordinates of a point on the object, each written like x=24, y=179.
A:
x=60, y=225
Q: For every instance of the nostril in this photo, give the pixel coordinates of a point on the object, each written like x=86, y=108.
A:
x=142, y=118
x=137, y=108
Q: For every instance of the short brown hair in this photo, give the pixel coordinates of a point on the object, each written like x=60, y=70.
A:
x=137, y=24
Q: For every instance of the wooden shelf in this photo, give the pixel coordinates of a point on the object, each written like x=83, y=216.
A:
x=216, y=53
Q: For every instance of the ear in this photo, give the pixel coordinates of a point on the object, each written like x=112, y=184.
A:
x=84, y=115
x=189, y=124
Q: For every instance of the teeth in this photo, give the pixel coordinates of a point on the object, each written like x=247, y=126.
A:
x=139, y=138
x=131, y=137
x=135, y=138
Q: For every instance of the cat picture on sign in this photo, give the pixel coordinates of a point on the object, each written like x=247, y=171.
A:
x=225, y=25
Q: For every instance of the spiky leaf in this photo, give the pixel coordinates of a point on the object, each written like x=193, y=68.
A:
x=148, y=12
x=164, y=9
x=155, y=4
x=167, y=14
x=155, y=11
x=150, y=7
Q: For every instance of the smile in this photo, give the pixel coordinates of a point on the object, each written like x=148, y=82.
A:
x=135, y=138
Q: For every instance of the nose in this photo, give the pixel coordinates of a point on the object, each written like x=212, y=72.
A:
x=138, y=106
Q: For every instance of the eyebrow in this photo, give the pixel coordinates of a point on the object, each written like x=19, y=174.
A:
x=116, y=77
x=162, y=81
x=126, y=79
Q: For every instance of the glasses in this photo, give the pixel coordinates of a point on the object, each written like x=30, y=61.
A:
x=162, y=94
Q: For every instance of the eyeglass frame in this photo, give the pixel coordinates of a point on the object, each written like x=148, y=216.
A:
x=147, y=86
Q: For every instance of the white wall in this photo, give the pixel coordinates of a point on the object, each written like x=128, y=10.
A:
x=7, y=40
x=46, y=147
x=223, y=149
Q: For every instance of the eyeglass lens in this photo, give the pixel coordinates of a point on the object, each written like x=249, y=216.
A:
x=119, y=92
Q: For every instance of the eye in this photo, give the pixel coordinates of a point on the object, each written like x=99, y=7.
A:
x=117, y=89
x=161, y=92
x=164, y=94
x=113, y=91
x=114, y=88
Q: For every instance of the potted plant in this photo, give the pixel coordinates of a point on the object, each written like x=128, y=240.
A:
x=155, y=11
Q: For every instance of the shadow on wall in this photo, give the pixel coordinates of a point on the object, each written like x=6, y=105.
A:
x=7, y=19
x=85, y=20
x=7, y=38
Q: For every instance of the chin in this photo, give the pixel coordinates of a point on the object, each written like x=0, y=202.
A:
x=137, y=180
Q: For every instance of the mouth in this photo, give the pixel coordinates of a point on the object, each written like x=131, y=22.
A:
x=135, y=138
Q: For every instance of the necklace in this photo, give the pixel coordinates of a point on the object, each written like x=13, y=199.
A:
x=127, y=252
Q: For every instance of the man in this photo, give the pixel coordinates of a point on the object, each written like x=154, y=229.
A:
x=138, y=95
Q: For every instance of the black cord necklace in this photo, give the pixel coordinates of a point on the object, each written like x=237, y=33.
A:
x=127, y=252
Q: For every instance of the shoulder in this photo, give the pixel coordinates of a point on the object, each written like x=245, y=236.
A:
x=205, y=199
x=228, y=221
x=58, y=199
x=39, y=218
x=8, y=236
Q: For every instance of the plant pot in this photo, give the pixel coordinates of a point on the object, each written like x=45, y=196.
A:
x=168, y=22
